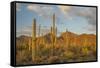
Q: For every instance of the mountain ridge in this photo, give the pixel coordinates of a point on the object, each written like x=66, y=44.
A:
x=66, y=38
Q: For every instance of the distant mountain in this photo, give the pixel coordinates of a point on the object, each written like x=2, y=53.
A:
x=83, y=39
x=66, y=38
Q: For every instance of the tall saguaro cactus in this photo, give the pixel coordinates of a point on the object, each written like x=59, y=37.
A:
x=34, y=40
x=55, y=34
x=53, y=24
x=53, y=29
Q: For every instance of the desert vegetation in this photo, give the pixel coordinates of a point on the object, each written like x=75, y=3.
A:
x=60, y=53
x=49, y=48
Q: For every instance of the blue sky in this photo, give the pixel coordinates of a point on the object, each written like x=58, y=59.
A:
x=76, y=19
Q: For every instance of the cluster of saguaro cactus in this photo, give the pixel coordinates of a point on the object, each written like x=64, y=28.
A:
x=53, y=35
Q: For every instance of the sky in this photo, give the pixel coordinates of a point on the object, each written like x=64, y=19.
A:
x=75, y=19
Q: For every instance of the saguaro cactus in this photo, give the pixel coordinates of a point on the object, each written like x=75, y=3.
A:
x=39, y=30
x=53, y=29
x=29, y=44
x=34, y=40
x=67, y=38
x=43, y=41
x=54, y=23
x=52, y=40
x=55, y=34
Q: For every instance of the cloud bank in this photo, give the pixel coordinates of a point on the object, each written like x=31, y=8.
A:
x=89, y=13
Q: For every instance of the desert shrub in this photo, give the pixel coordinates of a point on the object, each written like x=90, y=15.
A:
x=23, y=55
x=53, y=59
x=57, y=54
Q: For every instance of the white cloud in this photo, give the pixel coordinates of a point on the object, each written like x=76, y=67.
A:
x=18, y=5
x=64, y=9
x=89, y=13
x=42, y=10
